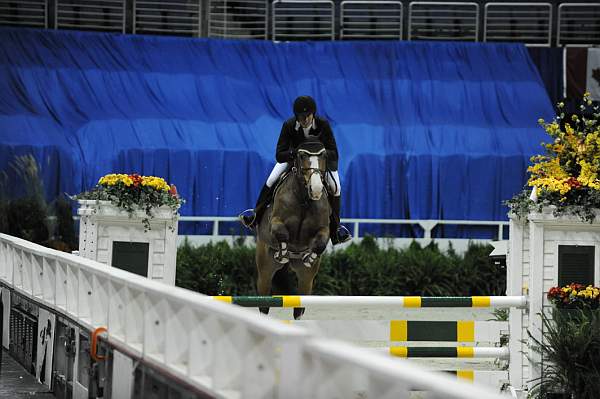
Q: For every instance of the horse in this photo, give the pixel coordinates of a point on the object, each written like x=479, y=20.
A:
x=294, y=231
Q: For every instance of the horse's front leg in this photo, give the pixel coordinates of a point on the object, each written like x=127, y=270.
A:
x=306, y=277
x=265, y=270
x=316, y=247
x=282, y=236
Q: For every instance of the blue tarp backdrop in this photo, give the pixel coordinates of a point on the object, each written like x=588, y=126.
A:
x=425, y=130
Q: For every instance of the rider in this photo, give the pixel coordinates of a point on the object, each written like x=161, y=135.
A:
x=302, y=126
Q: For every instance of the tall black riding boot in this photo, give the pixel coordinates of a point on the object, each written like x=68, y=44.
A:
x=264, y=198
x=337, y=233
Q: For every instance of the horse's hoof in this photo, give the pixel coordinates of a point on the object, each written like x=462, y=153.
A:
x=309, y=259
x=298, y=312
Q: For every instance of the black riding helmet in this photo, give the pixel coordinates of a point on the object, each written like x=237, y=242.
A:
x=304, y=105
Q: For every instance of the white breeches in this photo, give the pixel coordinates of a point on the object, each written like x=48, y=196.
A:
x=333, y=178
x=278, y=169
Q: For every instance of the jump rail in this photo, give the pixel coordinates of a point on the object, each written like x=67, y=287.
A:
x=217, y=349
x=291, y=301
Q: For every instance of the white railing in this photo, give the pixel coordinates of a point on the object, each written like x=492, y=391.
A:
x=180, y=17
x=303, y=20
x=24, y=13
x=431, y=20
x=106, y=15
x=371, y=20
x=219, y=349
x=426, y=225
x=237, y=20
x=578, y=24
x=518, y=22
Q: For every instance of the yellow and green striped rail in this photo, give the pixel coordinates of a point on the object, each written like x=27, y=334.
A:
x=462, y=331
x=450, y=352
x=291, y=301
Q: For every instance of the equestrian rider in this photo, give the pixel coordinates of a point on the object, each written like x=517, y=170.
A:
x=303, y=126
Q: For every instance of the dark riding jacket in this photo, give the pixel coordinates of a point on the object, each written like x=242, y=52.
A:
x=290, y=138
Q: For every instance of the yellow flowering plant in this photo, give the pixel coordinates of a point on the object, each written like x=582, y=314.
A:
x=567, y=176
x=575, y=296
x=132, y=192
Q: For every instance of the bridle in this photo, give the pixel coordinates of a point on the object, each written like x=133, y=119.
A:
x=299, y=170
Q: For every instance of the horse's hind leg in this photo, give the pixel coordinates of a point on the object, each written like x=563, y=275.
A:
x=264, y=265
x=306, y=276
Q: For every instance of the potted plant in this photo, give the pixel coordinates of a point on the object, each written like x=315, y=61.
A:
x=566, y=179
x=134, y=194
x=570, y=344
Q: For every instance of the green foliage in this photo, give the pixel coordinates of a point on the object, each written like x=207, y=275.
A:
x=64, y=231
x=216, y=269
x=571, y=351
x=27, y=217
x=360, y=269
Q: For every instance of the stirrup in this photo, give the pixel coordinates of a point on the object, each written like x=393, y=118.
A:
x=342, y=235
x=247, y=218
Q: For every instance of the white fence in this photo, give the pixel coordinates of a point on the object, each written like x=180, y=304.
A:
x=357, y=226
x=219, y=349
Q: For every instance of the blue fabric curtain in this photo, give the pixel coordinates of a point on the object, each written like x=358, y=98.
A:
x=425, y=130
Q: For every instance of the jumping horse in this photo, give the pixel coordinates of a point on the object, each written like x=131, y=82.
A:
x=294, y=230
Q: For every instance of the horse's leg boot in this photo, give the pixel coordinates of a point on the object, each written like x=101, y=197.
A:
x=282, y=255
x=309, y=258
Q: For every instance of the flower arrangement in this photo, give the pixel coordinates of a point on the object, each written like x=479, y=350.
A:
x=567, y=177
x=575, y=296
x=132, y=192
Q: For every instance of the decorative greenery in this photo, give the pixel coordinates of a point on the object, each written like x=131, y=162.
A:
x=134, y=192
x=570, y=350
x=359, y=269
x=30, y=217
x=575, y=296
x=566, y=178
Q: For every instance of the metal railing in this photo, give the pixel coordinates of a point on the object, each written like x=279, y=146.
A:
x=518, y=22
x=179, y=17
x=104, y=15
x=215, y=348
x=578, y=24
x=443, y=21
x=238, y=20
x=556, y=22
x=24, y=13
x=426, y=225
x=371, y=20
x=303, y=20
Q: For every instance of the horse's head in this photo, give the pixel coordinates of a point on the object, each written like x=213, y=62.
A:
x=311, y=163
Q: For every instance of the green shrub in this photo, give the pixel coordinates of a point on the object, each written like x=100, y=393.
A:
x=216, y=269
x=570, y=350
x=359, y=269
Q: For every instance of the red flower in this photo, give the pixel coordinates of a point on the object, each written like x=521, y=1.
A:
x=137, y=179
x=173, y=190
x=573, y=182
